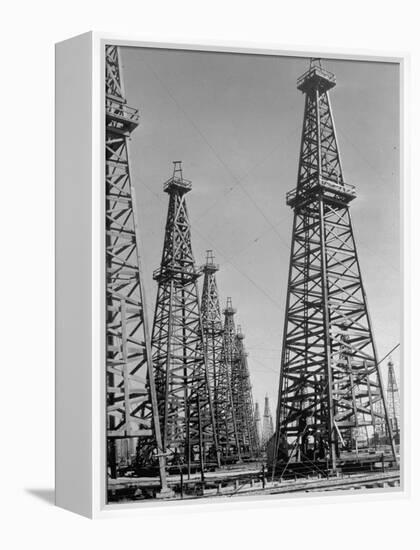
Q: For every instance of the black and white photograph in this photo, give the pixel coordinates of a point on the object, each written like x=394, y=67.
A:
x=253, y=280
x=210, y=262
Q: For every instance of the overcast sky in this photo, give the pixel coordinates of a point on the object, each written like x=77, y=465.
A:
x=235, y=121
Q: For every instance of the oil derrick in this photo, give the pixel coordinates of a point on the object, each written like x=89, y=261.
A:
x=230, y=351
x=324, y=392
x=180, y=365
x=246, y=391
x=132, y=423
x=393, y=400
x=257, y=419
x=242, y=399
x=267, y=430
x=218, y=368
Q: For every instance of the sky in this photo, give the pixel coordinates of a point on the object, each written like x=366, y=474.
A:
x=235, y=121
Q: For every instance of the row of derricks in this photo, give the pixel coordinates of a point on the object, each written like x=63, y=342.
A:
x=179, y=394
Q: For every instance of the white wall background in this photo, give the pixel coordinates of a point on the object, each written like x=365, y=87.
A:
x=29, y=30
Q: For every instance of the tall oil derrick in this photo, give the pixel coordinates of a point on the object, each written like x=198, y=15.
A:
x=242, y=400
x=393, y=400
x=180, y=364
x=330, y=382
x=132, y=422
x=218, y=367
x=267, y=429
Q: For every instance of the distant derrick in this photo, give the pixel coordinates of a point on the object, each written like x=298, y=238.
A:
x=179, y=359
x=257, y=418
x=242, y=399
x=393, y=407
x=393, y=401
x=267, y=429
x=218, y=364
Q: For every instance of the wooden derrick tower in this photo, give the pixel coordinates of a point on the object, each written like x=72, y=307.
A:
x=132, y=424
x=330, y=382
x=393, y=399
x=242, y=399
x=180, y=363
x=258, y=428
x=267, y=428
x=218, y=366
x=236, y=359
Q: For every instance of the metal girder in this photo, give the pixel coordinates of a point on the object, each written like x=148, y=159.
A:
x=133, y=432
x=330, y=382
x=180, y=363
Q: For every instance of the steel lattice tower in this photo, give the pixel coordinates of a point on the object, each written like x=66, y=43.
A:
x=258, y=429
x=245, y=394
x=267, y=430
x=330, y=381
x=218, y=367
x=241, y=388
x=231, y=358
x=393, y=400
x=132, y=423
x=181, y=373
